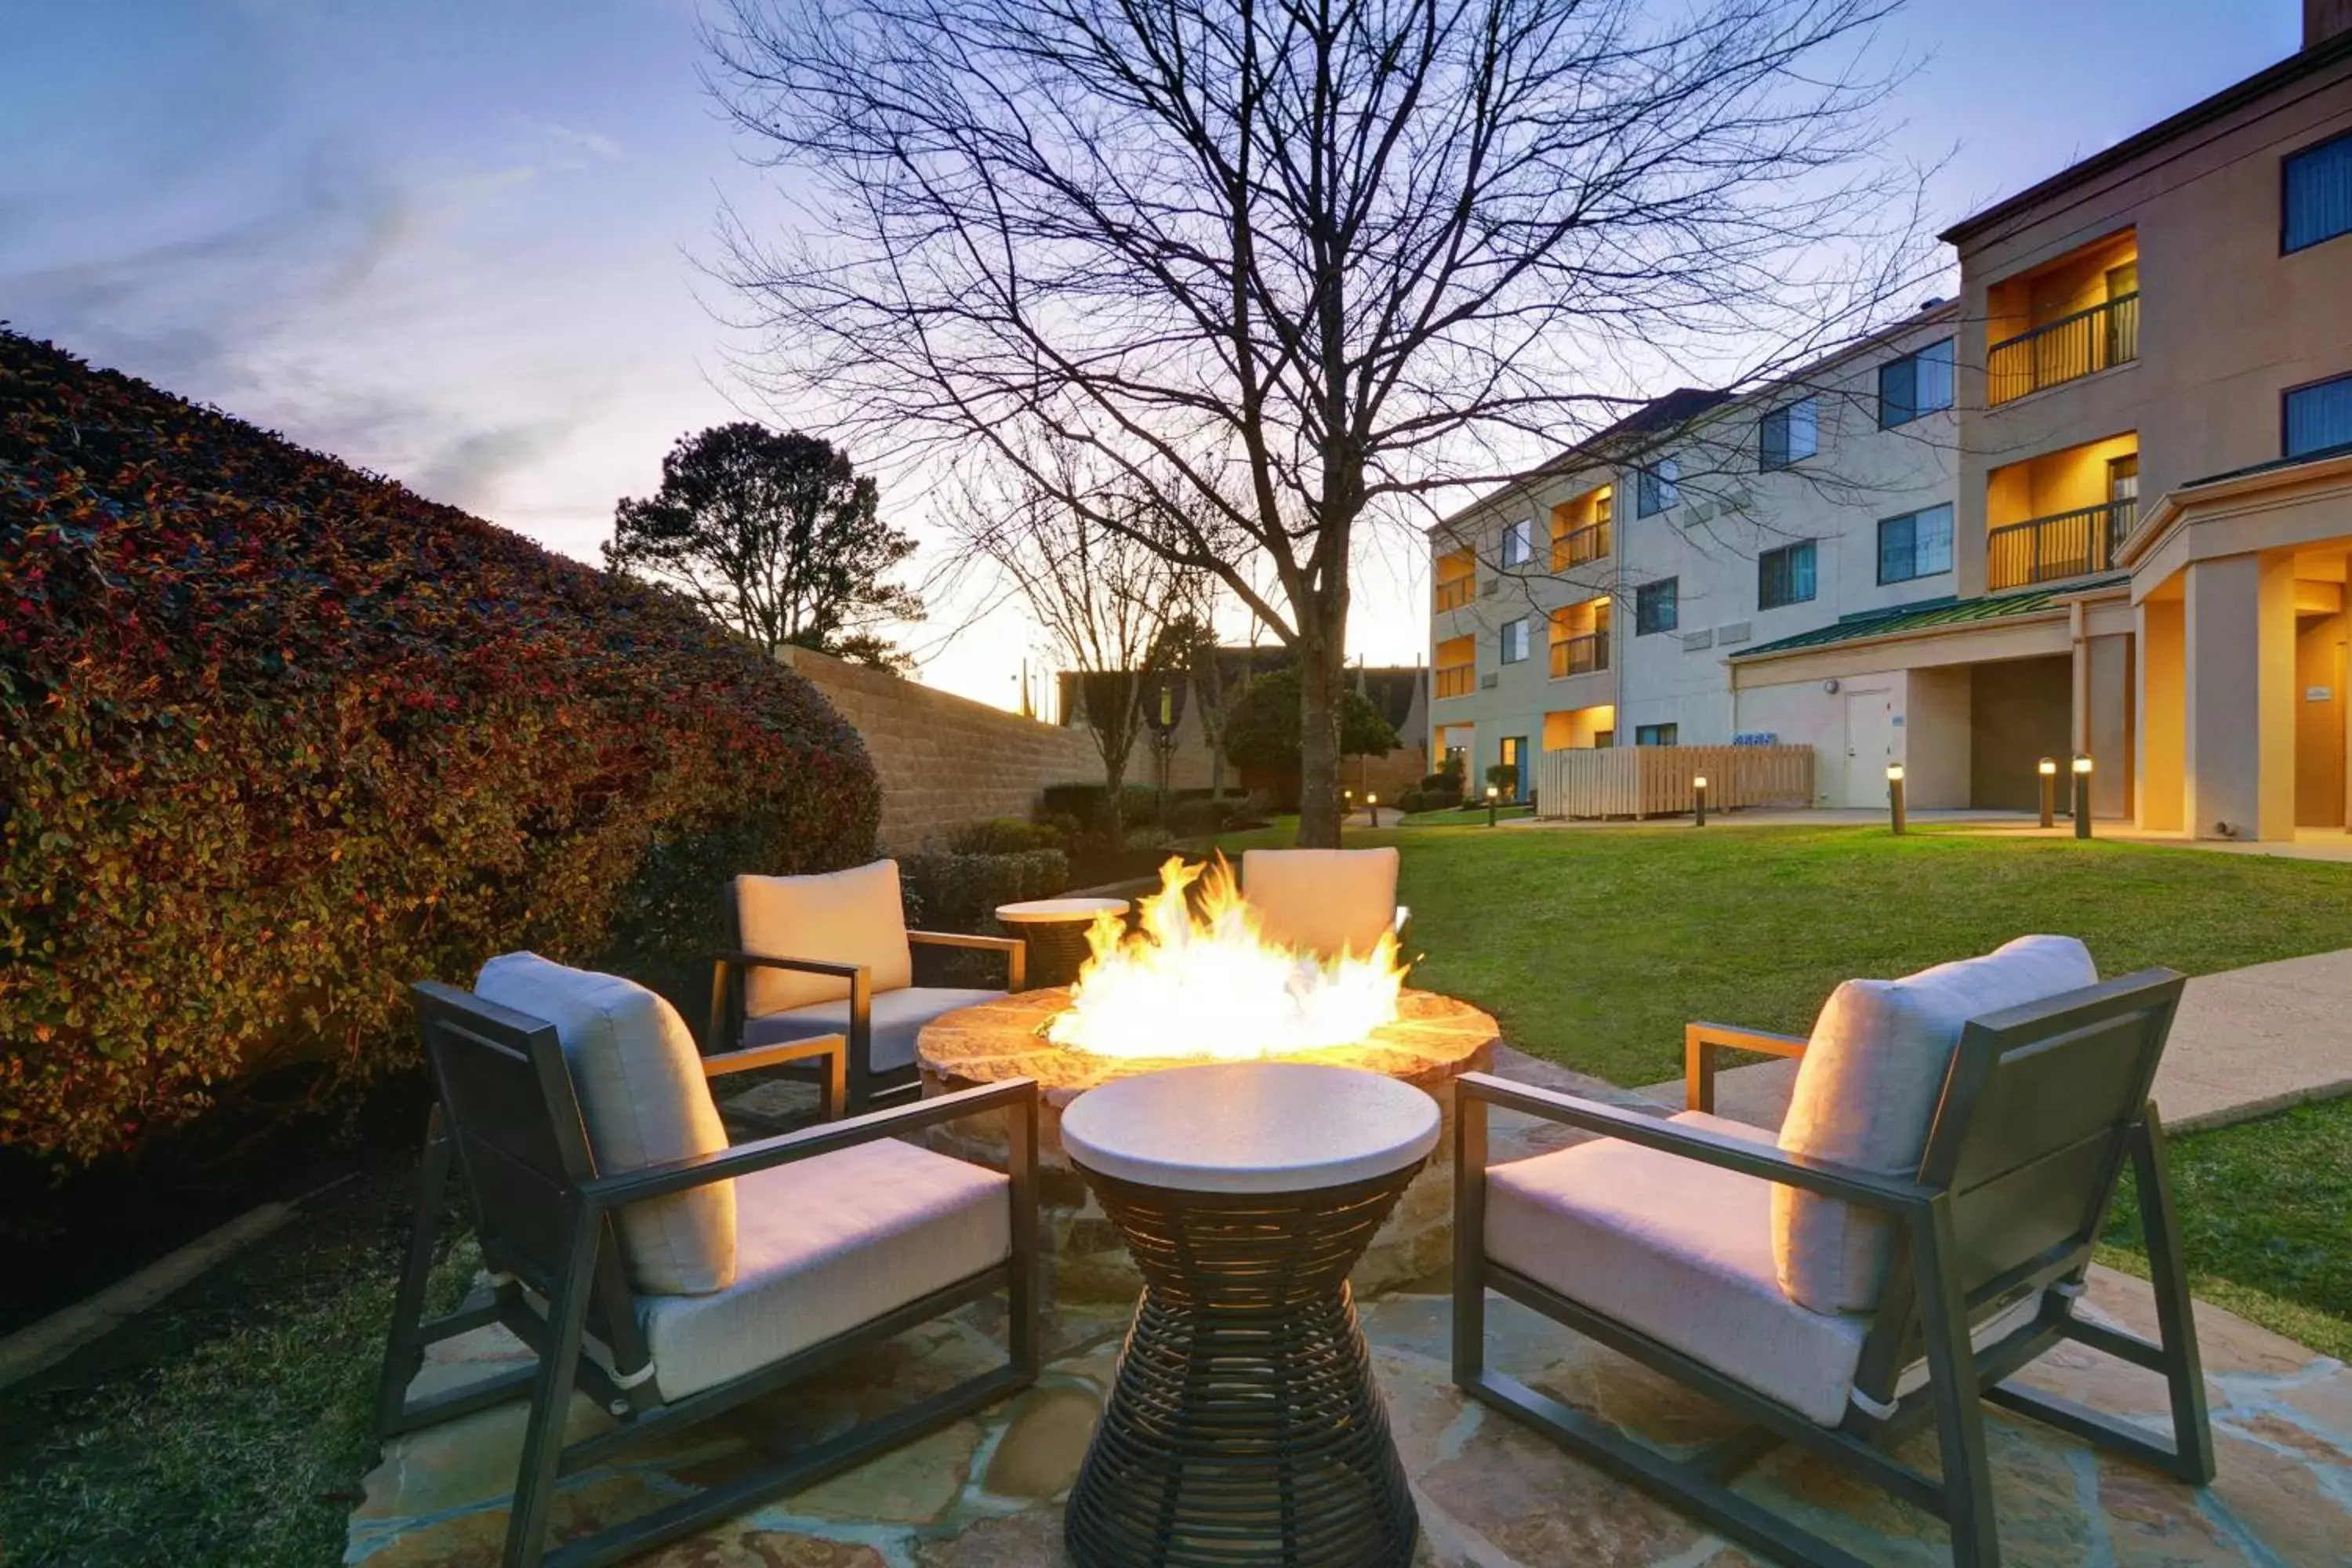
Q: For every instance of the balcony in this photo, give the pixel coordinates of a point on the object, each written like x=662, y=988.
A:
x=1584, y=655
x=1456, y=679
x=1580, y=545
x=2064, y=350
x=2065, y=545
x=1457, y=581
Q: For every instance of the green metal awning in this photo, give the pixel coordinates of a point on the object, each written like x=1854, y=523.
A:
x=1932, y=614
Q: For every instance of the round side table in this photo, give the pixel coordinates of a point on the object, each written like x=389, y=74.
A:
x=1244, y=1426
x=1055, y=931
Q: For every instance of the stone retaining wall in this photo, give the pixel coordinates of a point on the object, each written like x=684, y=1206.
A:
x=944, y=759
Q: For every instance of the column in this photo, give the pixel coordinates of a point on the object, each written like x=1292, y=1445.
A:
x=2239, y=654
x=2159, y=734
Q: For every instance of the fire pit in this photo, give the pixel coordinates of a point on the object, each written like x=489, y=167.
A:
x=1187, y=988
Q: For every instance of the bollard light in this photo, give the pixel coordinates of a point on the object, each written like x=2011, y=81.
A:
x=1698, y=800
x=2081, y=795
x=1493, y=796
x=2049, y=770
x=1895, y=795
x=1373, y=805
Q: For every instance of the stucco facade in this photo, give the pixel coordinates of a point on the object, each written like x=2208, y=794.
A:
x=2149, y=528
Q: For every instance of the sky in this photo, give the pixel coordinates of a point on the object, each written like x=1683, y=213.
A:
x=465, y=243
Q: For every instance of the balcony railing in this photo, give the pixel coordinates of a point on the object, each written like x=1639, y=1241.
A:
x=1456, y=593
x=2068, y=348
x=1579, y=655
x=2047, y=549
x=1578, y=545
x=1457, y=680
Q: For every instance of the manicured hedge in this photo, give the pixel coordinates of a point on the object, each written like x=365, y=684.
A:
x=277, y=737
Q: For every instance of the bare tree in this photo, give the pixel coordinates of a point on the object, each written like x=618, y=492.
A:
x=1104, y=595
x=1287, y=266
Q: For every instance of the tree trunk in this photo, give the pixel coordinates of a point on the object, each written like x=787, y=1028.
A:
x=1322, y=677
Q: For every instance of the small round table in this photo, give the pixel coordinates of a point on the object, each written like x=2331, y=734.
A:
x=1244, y=1426
x=1055, y=931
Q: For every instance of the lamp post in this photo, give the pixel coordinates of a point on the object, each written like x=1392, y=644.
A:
x=2049, y=767
x=1493, y=796
x=1895, y=794
x=1698, y=800
x=2081, y=795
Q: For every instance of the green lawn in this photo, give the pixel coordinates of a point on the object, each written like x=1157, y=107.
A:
x=2265, y=1222
x=1595, y=947
x=228, y=1426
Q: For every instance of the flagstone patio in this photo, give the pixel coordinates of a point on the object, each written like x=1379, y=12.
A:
x=984, y=1493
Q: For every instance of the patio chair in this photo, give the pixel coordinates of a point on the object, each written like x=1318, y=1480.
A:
x=1918, y=1235
x=832, y=955
x=1325, y=901
x=667, y=1276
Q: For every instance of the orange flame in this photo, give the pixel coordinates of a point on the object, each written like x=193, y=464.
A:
x=1214, y=987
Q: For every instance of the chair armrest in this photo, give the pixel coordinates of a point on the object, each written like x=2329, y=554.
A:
x=803, y=965
x=1702, y=1041
x=766, y=1154
x=1889, y=1194
x=833, y=1092
x=1015, y=951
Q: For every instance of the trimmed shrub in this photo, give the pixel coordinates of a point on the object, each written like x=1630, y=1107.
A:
x=955, y=890
x=1086, y=802
x=1003, y=835
x=277, y=737
x=1429, y=800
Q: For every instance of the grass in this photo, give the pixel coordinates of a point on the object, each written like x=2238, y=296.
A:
x=1594, y=947
x=1458, y=817
x=2266, y=1222
x=228, y=1426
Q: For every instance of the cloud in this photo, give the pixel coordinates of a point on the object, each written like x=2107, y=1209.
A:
x=469, y=469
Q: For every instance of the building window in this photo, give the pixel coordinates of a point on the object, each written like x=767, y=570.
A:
x=1653, y=488
x=1790, y=435
x=1657, y=734
x=1916, y=544
x=1515, y=641
x=1655, y=609
x=2319, y=416
x=1518, y=541
x=2315, y=196
x=1784, y=576
x=1915, y=384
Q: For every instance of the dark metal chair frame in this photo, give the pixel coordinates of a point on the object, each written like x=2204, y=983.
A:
x=866, y=1088
x=2041, y=1108
x=506, y=1113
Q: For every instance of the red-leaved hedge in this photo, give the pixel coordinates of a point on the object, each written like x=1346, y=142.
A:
x=277, y=737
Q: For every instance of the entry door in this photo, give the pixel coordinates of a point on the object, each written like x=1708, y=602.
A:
x=1869, y=746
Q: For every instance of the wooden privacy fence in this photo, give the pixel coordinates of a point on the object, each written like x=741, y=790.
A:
x=1655, y=781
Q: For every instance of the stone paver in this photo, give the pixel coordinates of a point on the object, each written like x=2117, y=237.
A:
x=2246, y=1042
x=985, y=1493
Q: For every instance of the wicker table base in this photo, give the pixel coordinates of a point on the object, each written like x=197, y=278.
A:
x=1244, y=1427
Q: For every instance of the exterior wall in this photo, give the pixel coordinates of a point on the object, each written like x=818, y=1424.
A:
x=2226, y=323
x=2022, y=712
x=1727, y=513
x=1939, y=738
x=942, y=759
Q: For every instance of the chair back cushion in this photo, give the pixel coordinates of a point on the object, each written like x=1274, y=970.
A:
x=841, y=917
x=1322, y=901
x=646, y=1101
x=1866, y=1094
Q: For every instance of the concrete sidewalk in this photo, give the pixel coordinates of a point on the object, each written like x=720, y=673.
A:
x=2246, y=1042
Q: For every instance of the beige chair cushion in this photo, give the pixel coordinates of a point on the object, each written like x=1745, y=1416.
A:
x=1322, y=901
x=897, y=1020
x=1867, y=1094
x=844, y=917
x=644, y=1098
x=825, y=1245
x=1682, y=1252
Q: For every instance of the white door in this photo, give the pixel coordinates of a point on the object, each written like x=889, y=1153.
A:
x=1869, y=746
